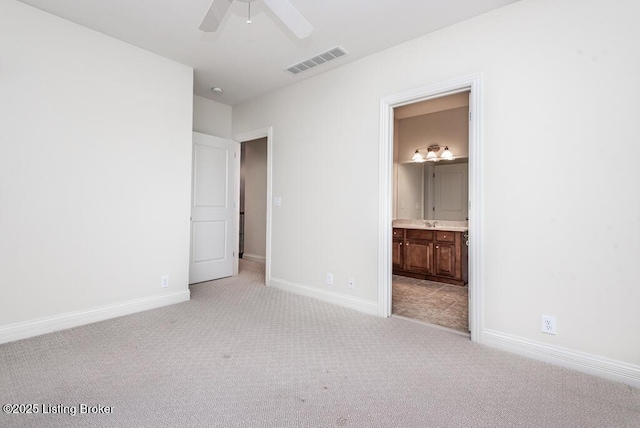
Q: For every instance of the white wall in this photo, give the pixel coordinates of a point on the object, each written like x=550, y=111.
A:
x=255, y=198
x=560, y=231
x=211, y=117
x=95, y=160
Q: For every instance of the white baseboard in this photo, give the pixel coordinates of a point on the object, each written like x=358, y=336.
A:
x=27, y=329
x=361, y=305
x=253, y=257
x=575, y=360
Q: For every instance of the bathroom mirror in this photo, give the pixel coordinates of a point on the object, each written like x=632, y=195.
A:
x=433, y=190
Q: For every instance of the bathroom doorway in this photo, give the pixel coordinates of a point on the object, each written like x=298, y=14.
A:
x=430, y=260
x=430, y=212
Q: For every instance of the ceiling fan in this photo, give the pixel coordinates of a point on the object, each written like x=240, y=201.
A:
x=283, y=9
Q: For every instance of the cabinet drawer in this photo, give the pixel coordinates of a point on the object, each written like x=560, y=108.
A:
x=398, y=233
x=420, y=234
x=444, y=236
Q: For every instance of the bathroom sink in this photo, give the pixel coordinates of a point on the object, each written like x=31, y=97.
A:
x=437, y=227
x=431, y=225
x=451, y=228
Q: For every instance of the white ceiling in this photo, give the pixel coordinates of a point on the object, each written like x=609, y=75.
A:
x=248, y=60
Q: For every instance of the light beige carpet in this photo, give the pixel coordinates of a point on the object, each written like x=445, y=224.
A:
x=243, y=355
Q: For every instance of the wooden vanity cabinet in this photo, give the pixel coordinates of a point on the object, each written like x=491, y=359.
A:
x=427, y=254
x=398, y=249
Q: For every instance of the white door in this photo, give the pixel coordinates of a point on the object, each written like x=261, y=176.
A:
x=451, y=190
x=214, y=208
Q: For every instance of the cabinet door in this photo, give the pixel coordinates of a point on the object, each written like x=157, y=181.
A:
x=419, y=256
x=398, y=256
x=445, y=259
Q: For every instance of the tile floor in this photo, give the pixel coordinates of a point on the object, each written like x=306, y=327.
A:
x=433, y=302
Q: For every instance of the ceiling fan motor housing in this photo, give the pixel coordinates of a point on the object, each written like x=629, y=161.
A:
x=283, y=9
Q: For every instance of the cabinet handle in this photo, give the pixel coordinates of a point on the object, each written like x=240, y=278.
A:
x=444, y=236
x=437, y=246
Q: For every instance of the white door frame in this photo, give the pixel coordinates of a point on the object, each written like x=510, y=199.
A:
x=467, y=83
x=253, y=135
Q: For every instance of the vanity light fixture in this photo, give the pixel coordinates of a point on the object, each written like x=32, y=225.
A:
x=417, y=157
x=432, y=154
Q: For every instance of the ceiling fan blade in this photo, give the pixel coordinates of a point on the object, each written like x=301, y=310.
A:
x=290, y=17
x=215, y=15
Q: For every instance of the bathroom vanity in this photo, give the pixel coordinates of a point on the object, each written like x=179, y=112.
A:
x=432, y=253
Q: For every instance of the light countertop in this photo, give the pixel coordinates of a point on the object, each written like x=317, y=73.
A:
x=452, y=226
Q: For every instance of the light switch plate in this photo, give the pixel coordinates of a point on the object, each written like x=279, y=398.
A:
x=277, y=201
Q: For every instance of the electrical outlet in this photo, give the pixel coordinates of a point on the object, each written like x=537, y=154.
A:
x=351, y=283
x=329, y=278
x=548, y=324
x=164, y=281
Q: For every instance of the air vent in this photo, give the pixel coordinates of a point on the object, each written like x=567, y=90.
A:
x=327, y=56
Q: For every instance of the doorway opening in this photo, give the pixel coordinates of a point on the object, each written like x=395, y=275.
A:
x=430, y=212
x=254, y=237
x=253, y=200
x=431, y=237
